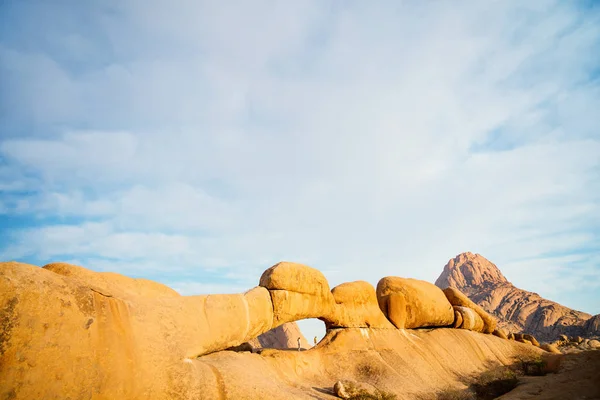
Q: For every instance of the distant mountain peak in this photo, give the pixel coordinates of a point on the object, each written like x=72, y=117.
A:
x=516, y=309
x=470, y=271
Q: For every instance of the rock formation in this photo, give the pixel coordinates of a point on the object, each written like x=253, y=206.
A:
x=517, y=310
x=592, y=326
x=411, y=303
x=457, y=298
x=356, y=306
x=470, y=319
x=68, y=332
x=297, y=292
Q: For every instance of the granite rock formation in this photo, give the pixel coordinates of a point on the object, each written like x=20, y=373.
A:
x=68, y=332
x=517, y=310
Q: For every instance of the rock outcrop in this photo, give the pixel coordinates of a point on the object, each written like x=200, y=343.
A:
x=592, y=326
x=470, y=319
x=411, y=303
x=356, y=307
x=457, y=298
x=297, y=292
x=516, y=310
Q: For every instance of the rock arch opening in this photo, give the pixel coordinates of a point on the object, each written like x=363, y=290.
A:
x=313, y=330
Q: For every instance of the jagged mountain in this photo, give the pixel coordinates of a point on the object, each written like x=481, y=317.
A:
x=516, y=309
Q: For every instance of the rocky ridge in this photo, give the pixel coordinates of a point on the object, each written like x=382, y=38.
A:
x=517, y=310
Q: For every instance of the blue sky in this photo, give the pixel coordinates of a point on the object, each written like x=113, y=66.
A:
x=199, y=144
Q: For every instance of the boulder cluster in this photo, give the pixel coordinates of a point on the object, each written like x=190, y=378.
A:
x=571, y=344
x=299, y=292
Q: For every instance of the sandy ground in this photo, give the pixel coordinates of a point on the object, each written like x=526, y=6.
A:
x=578, y=378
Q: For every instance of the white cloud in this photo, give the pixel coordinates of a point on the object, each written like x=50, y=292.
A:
x=363, y=140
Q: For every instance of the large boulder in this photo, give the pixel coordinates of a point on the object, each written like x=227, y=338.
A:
x=563, y=338
x=458, y=319
x=297, y=292
x=470, y=319
x=457, y=298
x=500, y=333
x=297, y=278
x=532, y=339
x=412, y=303
x=356, y=307
x=550, y=347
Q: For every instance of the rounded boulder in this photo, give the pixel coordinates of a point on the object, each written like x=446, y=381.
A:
x=412, y=303
x=356, y=307
x=471, y=320
x=457, y=298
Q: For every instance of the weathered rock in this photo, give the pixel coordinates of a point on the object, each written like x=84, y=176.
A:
x=411, y=303
x=293, y=306
x=347, y=389
x=253, y=310
x=260, y=311
x=471, y=320
x=576, y=339
x=107, y=324
x=550, y=347
x=532, y=339
x=500, y=333
x=563, y=338
x=524, y=341
x=74, y=329
x=457, y=298
x=356, y=307
x=592, y=326
x=517, y=310
x=297, y=292
x=297, y=278
x=594, y=344
x=458, y=320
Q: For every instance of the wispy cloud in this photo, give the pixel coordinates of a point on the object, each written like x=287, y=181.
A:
x=200, y=144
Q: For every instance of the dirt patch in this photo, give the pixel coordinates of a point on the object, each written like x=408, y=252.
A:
x=578, y=377
x=501, y=380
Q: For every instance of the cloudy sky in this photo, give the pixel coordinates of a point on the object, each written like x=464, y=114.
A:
x=198, y=143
